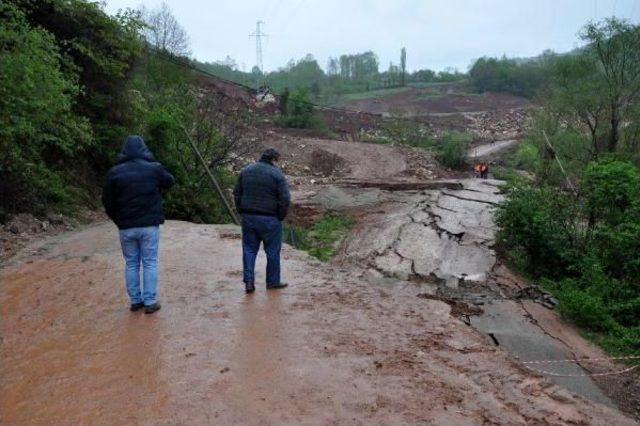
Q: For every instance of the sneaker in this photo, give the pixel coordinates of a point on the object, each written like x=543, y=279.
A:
x=276, y=286
x=149, y=309
x=136, y=306
x=249, y=287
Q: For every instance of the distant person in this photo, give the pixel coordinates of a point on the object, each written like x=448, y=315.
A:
x=133, y=200
x=484, y=170
x=262, y=198
x=477, y=168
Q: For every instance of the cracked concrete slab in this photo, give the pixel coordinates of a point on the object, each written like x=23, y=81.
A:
x=443, y=234
x=527, y=341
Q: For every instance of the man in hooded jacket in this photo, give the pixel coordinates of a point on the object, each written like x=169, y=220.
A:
x=132, y=197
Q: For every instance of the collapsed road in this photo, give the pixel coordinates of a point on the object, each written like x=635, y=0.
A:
x=349, y=341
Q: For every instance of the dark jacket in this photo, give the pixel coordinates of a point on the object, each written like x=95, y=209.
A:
x=262, y=189
x=131, y=194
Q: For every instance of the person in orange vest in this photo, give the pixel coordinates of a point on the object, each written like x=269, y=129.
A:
x=484, y=170
x=477, y=169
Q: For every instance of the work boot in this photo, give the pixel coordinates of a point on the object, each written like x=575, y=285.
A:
x=136, y=306
x=249, y=287
x=276, y=286
x=149, y=309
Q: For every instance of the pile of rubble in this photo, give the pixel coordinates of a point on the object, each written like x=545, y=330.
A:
x=19, y=229
x=499, y=125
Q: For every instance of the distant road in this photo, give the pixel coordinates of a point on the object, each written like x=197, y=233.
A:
x=490, y=148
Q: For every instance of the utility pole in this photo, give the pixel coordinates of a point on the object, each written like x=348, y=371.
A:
x=258, y=34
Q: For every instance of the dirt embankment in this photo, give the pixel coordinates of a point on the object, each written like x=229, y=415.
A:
x=453, y=106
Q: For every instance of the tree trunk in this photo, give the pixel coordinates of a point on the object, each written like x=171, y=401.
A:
x=614, y=135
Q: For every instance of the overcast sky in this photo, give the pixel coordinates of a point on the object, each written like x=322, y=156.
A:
x=436, y=33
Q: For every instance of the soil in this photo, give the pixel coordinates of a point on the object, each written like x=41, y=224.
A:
x=441, y=99
x=332, y=348
x=452, y=106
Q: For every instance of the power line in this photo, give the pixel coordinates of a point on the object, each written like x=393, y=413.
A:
x=258, y=34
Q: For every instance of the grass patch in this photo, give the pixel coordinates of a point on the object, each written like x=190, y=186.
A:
x=432, y=96
x=372, y=94
x=508, y=174
x=320, y=240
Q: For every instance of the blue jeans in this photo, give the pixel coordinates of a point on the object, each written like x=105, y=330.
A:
x=265, y=229
x=141, y=244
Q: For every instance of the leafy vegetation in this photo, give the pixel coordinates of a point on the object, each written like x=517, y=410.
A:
x=320, y=240
x=576, y=228
x=296, y=110
x=523, y=78
x=348, y=74
x=75, y=81
x=585, y=246
x=54, y=105
x=451, y=149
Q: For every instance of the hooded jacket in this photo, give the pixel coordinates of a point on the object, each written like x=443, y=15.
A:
x=262, y=189
x=132, y=191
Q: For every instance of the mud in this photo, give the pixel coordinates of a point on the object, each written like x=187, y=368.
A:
x=331, y=348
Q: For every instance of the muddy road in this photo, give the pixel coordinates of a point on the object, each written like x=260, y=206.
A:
x=362, y=340
x=485, y=150
x=333, y=347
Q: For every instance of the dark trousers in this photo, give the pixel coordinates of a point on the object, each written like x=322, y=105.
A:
x=257, y=229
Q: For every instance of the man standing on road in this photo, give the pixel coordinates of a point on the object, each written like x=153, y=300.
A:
x=133, y=200
x=262, y=198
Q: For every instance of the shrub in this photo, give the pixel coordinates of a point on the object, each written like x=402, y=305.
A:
x=540, y=222
x=452, y=149
x=298, y=111
x=610, y=188
x=39, y=133
x=527, y=157
x=584, y=309
x=586, y=246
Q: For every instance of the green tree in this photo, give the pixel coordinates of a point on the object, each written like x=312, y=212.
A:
x=299, y=110
x=39, y=133
x=615, y=45
x=102, y=50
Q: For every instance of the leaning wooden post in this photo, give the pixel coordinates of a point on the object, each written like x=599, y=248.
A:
x=213, y=179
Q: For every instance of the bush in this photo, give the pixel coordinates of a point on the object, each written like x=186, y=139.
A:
x=584, y=309
x=586, y=247
x=527, y=157
x=452, y=149
x=610, y=188
x=192, y=198
x=298, y=111
x=321, y=239
x=39, y=133
x=540, y=222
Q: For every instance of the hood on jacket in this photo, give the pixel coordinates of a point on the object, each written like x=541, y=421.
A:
x=133, y=149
